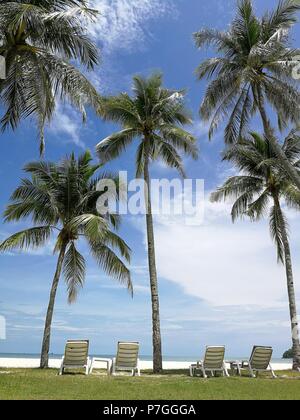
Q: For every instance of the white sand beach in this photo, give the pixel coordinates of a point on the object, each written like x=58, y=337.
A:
x=17, y=363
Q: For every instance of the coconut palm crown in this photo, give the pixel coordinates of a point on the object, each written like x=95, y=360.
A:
x=41, y=41
x=253, y=71
x=61, y=199
x=154, y=115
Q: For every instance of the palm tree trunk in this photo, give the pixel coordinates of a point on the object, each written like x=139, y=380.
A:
x=291, y=290
x=290, y=170
x=157, y=350
x=47, y=331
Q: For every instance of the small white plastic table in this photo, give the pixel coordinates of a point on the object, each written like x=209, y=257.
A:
x=101, y=360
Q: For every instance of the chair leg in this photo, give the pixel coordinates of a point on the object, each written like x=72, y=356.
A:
x=204, y=373
x=273, y=373
x=225, y=371
x=92, y=367
x=109, y=368
x=61, y=370
x=89, y=366
x=191, y=371
x=252, y=375
x=113, y=370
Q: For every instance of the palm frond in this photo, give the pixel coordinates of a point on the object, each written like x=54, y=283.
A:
x=140, y=159
x=168, y=154
x=74, y=271
x=180, y=139
x=92, y=226
x=241, y=205
x=282, y=18
x=111, y=264
x=112, y=239
x=291, y=196
x=239, y=118
x=277, y=223
x=222, y=88
x=236, y=186
x=29, y=238
x=258, y=208
x=211, y=37
x=111, y=147
x=120, y=109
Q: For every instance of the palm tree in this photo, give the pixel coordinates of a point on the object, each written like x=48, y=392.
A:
x=261, y=188
x=39, y=39
x=154, y=116
x=254, y=69
x=62, y=198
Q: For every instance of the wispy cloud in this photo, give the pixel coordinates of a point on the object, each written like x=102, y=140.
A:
x=67, y=124
x=123, y=24
x=200, y=129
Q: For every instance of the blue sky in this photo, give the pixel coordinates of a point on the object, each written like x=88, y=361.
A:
x=219, y=283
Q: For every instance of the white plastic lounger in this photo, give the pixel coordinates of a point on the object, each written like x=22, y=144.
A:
x=213, y=362
x=76, y=356
x=127, y=359
x=260, y=361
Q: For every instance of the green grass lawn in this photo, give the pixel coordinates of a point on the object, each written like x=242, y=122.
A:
x=35, y=384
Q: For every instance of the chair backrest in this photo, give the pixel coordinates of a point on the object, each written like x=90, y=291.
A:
x=214, y=357
x=261, y=357
x=76, y=352
x=127, y=355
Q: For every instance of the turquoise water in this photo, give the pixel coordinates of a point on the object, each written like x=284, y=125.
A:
x=145, y=358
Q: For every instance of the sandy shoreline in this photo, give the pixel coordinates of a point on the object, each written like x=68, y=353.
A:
x=15, y=363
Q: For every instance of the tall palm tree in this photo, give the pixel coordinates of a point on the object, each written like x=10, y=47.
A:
x=260, y=189
x=253, y=69
x=62, y=198
x=155, y=116
x=39, y=40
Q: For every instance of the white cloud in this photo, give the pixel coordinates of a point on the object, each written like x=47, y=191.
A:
x=122, y=24
x=221, y=263
x=200, y=129
x=67, y=124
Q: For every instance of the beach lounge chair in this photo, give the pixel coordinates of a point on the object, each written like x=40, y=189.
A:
x=76, y=356
x=127, y=359
x=213, y=362
x=260, y=361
